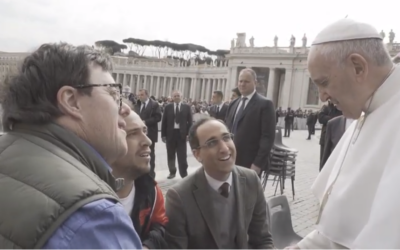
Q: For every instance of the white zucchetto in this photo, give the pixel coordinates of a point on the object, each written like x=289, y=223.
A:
x=344, y=30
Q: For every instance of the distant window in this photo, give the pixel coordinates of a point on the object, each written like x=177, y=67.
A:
x=312, y=94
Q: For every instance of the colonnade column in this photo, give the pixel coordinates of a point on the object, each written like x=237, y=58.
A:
x=271, y=84
x=285, y=94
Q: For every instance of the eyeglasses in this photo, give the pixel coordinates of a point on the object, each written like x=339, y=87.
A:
x=116, y=96
x=214, y=142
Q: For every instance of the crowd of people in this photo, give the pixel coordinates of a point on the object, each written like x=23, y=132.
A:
x=77, y=156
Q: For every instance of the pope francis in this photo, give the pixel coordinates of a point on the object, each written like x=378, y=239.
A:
x=351, y=66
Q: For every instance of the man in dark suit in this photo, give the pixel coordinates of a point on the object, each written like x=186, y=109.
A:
x=327, y=113
x=334, y=132
x=176, y=122
x=289, y=120
x=251, y=118
x=150, y=112
x=220, y=206
x=218, y=110
x=311, y=120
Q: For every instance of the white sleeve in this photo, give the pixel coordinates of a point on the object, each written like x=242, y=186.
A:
x=315, y=240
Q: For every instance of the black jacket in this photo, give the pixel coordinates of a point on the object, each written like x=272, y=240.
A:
x=148, y=213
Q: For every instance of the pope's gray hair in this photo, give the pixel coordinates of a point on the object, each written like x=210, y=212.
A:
x=373, y=50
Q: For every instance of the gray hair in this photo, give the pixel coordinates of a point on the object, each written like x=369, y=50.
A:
x=373, y=50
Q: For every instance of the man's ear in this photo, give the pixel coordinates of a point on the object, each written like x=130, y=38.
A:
x=68, y=102
x=196, y=154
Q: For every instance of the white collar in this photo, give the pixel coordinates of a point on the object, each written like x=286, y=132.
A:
x=146, y=102
x=385, y=91
x=216, y=184
x=131, y=193
x=249, y=96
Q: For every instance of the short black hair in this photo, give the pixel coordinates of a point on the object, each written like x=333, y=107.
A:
x=145, y=91
x=236, y=91
x=193, y=138
x=219, y=93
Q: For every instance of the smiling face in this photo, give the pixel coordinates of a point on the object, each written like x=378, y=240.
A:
x=136, y=162
x=216, y=150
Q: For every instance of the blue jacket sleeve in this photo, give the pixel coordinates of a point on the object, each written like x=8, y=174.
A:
x=102, y=224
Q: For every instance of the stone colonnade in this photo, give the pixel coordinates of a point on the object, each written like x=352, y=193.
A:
x=200, y=89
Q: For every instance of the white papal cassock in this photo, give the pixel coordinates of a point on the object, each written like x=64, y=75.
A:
x=357, y=188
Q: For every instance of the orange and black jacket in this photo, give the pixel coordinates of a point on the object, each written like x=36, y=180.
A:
x=148, y=213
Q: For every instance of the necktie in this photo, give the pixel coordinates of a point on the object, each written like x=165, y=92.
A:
x=217, y=110
x=143, y=107
x=238, y=115
x=224, y=190
x=177, y=114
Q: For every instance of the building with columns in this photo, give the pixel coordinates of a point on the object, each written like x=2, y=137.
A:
x=281, y=73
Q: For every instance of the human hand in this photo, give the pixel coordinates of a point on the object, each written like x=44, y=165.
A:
x=255, y=168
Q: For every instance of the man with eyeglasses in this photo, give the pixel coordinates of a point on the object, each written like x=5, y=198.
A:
x=221, y=205
x=63, y=118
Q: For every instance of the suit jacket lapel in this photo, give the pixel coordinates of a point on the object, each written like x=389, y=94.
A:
x=235, y=105
x=239, y=184
x=223, y=108
x=250, y=104
x=202, y=197
x=148, y=106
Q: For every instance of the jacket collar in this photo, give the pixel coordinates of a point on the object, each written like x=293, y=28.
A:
x=73, y=145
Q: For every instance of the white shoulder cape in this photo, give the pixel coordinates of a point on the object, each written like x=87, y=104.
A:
x=363, y=208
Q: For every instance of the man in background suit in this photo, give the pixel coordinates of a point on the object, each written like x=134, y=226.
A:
x=218, y=110
x=289, y=121
x=220, y=206
x=251, y=118
x=311, y=120
x=176, y=122
x=334, y=132
x=150, y=112
x=327, y=113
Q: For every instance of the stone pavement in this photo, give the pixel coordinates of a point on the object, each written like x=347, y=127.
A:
x=304, y=206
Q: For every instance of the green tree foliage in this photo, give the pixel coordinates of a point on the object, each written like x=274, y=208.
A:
x=184, y=51
x=110, y=46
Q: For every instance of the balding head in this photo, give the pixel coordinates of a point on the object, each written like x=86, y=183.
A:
x=348, y=67
x=247, y=81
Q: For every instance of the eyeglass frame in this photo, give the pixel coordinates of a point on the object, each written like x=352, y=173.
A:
x=216, y=140
x=112, y=85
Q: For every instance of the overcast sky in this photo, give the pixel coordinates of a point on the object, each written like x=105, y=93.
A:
x=25, y=24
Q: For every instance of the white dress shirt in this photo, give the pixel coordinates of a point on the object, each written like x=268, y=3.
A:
x=216, y=184
x=247, y=101
x=144, y=105
x=176, y=125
